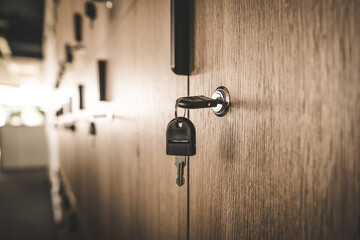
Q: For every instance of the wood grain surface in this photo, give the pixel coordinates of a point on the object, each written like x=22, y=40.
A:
x=123, y=182
x=284, y=163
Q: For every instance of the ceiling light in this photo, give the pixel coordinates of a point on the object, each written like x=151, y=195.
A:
x=23, y=69
x=2, y=117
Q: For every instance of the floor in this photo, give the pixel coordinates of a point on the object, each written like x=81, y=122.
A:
x=25, y=206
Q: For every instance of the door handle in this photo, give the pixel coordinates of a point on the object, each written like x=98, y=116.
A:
x=180, y=37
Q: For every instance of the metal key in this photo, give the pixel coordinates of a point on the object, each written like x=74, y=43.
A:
x=181, y=142
x=195, y=102
x=180, y=163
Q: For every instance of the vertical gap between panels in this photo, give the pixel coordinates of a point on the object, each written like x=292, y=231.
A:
x=188, y=174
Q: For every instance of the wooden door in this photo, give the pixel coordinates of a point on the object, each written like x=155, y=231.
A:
x=284, y=163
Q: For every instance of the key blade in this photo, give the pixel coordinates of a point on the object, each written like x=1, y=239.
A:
x=180, y=162
x=180, y=183
x=180, y=159
x=180, y=180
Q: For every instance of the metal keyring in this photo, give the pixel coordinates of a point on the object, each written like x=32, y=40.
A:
x=176, y=106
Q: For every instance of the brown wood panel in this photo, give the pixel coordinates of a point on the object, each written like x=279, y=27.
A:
x=285, y=162
x=143, y=88
x=123, y=182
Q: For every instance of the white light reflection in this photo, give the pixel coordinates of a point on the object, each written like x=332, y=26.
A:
x=25, y=95
x=2, y=117
x=23, y=69
x=109, y=4
x=30, y=116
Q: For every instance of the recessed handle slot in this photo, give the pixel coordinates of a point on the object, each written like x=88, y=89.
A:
x=180, y=37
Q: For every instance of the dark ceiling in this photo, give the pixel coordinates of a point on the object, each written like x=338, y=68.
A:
x=21, y=23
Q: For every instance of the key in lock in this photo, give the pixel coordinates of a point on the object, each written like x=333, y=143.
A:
x=181, y=142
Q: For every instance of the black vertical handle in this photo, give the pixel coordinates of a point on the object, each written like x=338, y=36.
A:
x=180, y=36
x=102, y=80
x=81, y=97
x=90, y=10
x=78, y=27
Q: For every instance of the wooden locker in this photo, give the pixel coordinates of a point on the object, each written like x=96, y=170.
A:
x=284, y=162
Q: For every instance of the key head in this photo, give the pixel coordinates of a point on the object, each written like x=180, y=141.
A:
x=181, y=137
x=195, y=102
